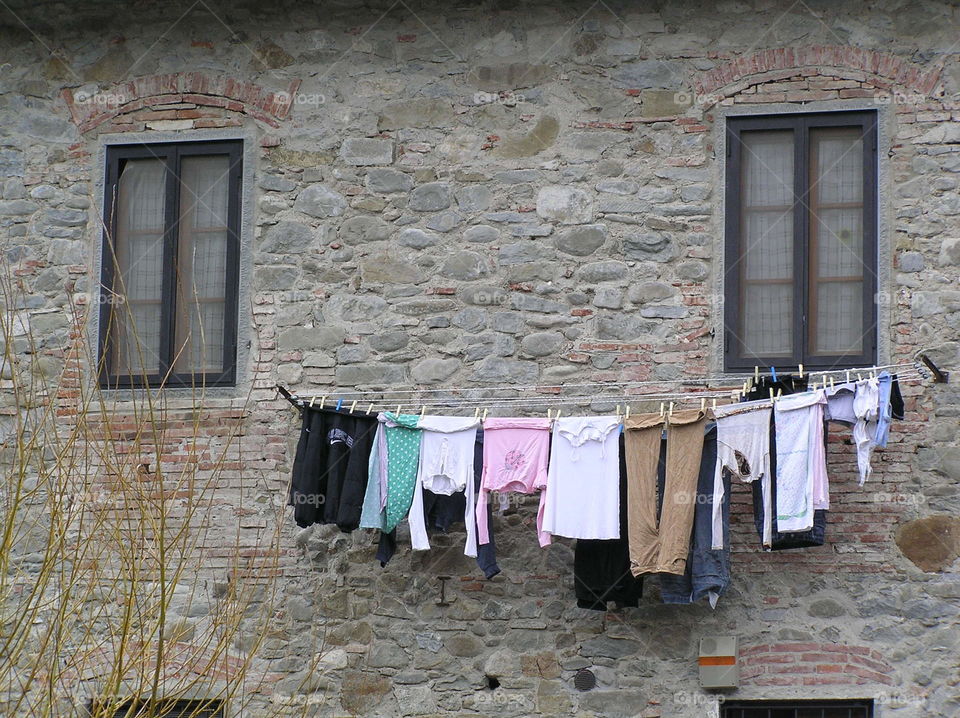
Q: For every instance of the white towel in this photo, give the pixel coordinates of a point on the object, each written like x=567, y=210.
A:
x=801, y=460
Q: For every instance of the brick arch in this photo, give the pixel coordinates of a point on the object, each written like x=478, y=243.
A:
x=882, y=70
x=813, y=664
x=178, y=96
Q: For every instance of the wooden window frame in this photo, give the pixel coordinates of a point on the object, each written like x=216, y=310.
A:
x=731, y=708
x=171, y=153
x=736, y=357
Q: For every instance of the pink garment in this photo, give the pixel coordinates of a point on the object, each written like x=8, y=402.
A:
x=515, y=456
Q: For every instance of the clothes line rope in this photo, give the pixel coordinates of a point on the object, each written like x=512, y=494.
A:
x=351, y=394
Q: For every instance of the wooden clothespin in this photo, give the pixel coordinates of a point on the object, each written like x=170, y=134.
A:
x=848, y=376
x=370, y=408
x=800, y=370
x=771, y=393
x=558, y=414
x=549, y=413
x=859, y=376
x=670, y=414
x=484, y=414
x=399, y=407
x=312, y=400
x=756, y=375
x=423, y=410
x=831, y=382
x=323, y=400
x=476, y=413
x=779, y=394
x=353, y=406
x=713, y=404
x=662, y=409
x=703, y=403
x=628, y=411
x=618, y=412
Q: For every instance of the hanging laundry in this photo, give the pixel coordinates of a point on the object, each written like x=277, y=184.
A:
x=884, y=408
x=516, y=452
x=839, y=407
x=896, y=400
x=441, y=512
x=582, y=498
x=801, y=460
x=403, y=458
x=601, y=568
x=783, y=384
x=662, y=546
x=743, y=449
x=866, y=406
x=330, y=467
x=708, y=570
x=373, y=515
x=446, y=467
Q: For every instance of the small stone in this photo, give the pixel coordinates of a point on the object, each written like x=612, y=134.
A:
x=389, y=341
x=613, y=186
x=287, y=237
x=912, y=261
x=566, y=205
x=531, y=230
x=608, y=298
x=363, y=229
x=275, y=183
x=434, y=371
x=607, y=647
x=485, y=296
x=18, y=207
x=481, y=233
x=650, y=292
x=354, y=307
x=825, y=608
x=694, y=192
x=463, y=645
x=473, y=198
x=363, y=151
x=541, y=344
x=444, y=222
x=582, y=241
x=949, y=253
x=385, y=268
x=506, y=371
x=520, y=253
x=663, y=311
x=430, y=197
x=417, y=238
x=388, y=181
x=318, y=200
x=692, y=270
x=602, y=271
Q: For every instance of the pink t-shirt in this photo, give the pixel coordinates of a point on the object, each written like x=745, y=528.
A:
x=515, y=456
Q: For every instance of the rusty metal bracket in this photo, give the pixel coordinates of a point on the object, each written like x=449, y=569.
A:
x=939, y=376
x=443, y=591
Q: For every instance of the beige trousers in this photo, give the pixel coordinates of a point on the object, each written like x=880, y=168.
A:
x=661, y=547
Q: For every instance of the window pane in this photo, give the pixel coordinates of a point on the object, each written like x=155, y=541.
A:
x=202, y=264
x=138, y=244
x=766, y=254
x=836, y=241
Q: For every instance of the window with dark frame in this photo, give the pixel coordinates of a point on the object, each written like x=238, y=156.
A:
x=162, y=708
x=800, y=276
x=171, y=264
x=797, y=709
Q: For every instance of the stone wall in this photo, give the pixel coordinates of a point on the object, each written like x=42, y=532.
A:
x=461, y=197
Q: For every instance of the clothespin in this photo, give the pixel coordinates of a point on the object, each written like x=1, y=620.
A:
x=779, y=394
x=628, y=411
x=859, y=376
x=771, y=393
x=484, y=415
x=773, y=373
x=353, y=406
x=399, y=406
x=662, y=409
x=703, y=403
x=618, y=412
x=800, y=370
x=549, y=413
x=558, y=414
x=831, y=382
x=848, y=376
x=670, y=415
x=746, y=387
x=756, y=375
x=370, y=408
x=713, y=404
x=423, y=410
x=476, y=413
x=313, y=399
x=323, y=400
x=339, y=403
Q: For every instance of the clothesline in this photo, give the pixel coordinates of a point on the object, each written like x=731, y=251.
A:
x=707, y=381
x=386, y=401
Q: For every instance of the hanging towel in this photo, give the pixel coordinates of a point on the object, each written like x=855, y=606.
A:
x=403, y=458
x=582, y=498
x=801, y=460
